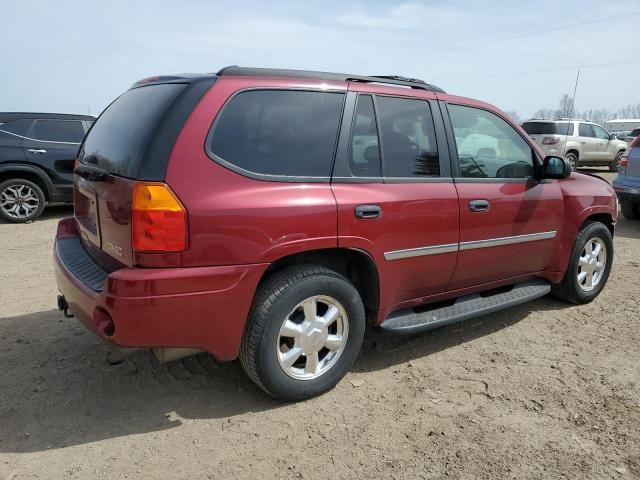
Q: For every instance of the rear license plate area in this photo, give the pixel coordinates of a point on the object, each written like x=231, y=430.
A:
x=86, y=212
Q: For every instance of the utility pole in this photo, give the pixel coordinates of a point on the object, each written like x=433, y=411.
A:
x=573, y=100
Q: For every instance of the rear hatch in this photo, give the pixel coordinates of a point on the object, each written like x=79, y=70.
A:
x=129, y=143
x=548, y=133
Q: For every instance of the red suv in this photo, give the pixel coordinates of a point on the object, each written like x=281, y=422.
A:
x=271, y=215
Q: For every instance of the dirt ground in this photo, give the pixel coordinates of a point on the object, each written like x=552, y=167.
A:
x=545, y=390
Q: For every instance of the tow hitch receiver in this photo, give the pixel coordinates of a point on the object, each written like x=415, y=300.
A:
x=63, y=306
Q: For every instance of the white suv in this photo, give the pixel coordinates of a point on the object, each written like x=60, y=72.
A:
x=580, y=142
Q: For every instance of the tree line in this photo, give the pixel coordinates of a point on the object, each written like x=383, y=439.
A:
x=566, y=110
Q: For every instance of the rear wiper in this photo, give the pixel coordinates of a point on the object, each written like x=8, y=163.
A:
x=93, y=174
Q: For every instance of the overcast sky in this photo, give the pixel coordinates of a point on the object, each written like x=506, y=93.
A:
x=74, y=56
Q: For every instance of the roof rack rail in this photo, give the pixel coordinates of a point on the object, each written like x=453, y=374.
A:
x=234, y=70
x=400, y=78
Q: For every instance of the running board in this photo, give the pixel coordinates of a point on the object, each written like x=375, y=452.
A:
x=468, y=306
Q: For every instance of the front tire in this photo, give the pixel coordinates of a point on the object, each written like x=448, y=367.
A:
x=589, y=265
x=304, y=332
x=20, y=200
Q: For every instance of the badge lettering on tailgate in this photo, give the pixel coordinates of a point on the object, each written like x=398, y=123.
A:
x=115, y=249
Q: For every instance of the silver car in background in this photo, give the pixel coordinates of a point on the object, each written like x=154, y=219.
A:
x=581, y=143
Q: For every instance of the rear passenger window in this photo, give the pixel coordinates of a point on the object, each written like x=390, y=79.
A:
x=279, y=132
x=586, y=130
x=408, y=138
x=58, y=131
x=364, y=155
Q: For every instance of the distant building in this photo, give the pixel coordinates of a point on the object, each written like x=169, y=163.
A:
x=622, y=124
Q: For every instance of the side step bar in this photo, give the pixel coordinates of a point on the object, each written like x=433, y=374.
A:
x=468, y=306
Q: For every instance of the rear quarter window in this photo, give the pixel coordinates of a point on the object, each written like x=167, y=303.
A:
x=282, y=133
x=17, y=127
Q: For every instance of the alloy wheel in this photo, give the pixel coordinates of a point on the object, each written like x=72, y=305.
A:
x=312, y=337
x=592, y=264
x=19, y=201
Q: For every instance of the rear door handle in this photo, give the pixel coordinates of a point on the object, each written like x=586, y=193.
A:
x=479, y=205
x=37, y=150
x=368, y=211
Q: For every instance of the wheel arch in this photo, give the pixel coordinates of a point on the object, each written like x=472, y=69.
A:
x=573, y=149
x=605, y=218
x=573, y=224
x=354, y=264
x=27, y=172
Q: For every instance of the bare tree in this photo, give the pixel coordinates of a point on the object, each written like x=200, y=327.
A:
x=565, y=107
x=544, y=114
x=597, y=116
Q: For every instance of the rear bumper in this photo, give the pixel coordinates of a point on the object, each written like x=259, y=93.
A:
x=202, y=307
x=627, y=190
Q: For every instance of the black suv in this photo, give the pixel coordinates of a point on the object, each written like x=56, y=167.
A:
x=37, y=154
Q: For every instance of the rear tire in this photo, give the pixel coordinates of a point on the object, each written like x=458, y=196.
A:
x=630, y=210
x=613, y=167
x=21, y=200
x=584, y=279
x=572, y=158
x=304, y=332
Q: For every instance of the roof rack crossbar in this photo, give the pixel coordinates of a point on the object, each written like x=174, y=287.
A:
x=234, y=70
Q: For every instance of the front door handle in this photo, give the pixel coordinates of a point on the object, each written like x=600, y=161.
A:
x=37, y=150
x=479, y=205
x=368, y=211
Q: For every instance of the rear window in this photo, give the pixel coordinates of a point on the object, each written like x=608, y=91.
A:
x=119, y=137
x=635, y=133
x=278, y=132
x=548, y=128
x=69, y=131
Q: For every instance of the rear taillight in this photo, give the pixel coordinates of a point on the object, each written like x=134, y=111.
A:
x=159, y=221
x=550, y=140
x=622, y=165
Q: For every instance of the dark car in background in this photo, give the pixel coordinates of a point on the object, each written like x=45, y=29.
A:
x=631, y=136
x=627, y=183
x=37, y=155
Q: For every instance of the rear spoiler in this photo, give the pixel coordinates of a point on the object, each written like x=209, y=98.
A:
x=179, y=78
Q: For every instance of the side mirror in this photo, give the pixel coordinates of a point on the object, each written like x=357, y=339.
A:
x=555, y=167
x=613, y=136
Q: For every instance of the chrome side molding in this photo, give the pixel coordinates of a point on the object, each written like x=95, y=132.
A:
x=469, y=245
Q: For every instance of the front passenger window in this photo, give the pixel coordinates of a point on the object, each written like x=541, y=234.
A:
x=601, y=133
x=488, y=147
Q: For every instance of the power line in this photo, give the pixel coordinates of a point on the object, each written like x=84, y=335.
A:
x=510, y=37
x=539, y=32
x=546, y=70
